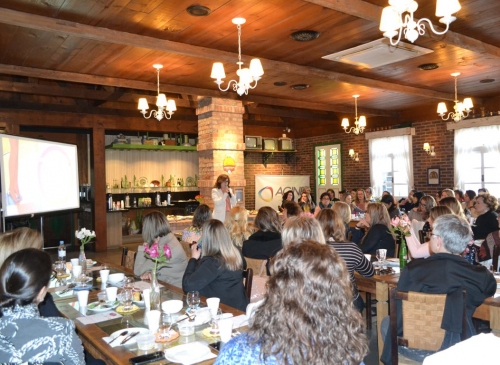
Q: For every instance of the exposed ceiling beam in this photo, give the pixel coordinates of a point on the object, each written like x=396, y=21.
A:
x=367, y=11
x=291, y=113
x=31, y=21
x=142, y=85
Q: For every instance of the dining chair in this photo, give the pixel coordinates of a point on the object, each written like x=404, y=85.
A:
x=128, y=258
x=494, y=257
x=247, y=281
x=421, y=236
x=186, y=246
x=257, y=265
x=422, y=316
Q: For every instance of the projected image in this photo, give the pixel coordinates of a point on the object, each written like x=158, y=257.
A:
x=38, y=176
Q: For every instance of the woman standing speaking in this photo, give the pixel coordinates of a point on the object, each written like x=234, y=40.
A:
x=223, y=198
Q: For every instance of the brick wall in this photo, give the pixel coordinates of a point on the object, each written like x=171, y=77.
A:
x=357, y=174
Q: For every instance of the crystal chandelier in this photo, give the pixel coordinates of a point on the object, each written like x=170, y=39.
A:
x=359, y=125
x=165, y=107
x=462, y=110
x=248, y=77
x=394, y=22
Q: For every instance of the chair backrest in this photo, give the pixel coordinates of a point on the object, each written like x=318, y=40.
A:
x=421, y=236
x=247, y=281
x=187, y=248
x=496, y=253
x=422, y=317
x=128, y=258
x=258, y=266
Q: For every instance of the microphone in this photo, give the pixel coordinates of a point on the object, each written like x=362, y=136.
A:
x=229, y=193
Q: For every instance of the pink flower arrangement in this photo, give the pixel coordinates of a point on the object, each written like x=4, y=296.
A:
x=159, y=254
x=401, y=226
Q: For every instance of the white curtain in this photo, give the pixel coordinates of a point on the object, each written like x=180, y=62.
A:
x=470, y=141
x=388, y=155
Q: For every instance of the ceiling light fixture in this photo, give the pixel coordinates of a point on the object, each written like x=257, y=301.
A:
x=429, y=149
x=354, y=155
x=247, y=75
x=165, y=107
x=394, y=22
x=359, y=125
x=462, y=110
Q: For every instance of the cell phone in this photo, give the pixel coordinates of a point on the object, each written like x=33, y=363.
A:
x=215, y=345
x=146, y=359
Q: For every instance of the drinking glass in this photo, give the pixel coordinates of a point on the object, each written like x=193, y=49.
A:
x=60, y=268
x=214, y=322
x=165, y=324
x=104, y=266
x=193, y=300
x=125, y=297
x=381, y=254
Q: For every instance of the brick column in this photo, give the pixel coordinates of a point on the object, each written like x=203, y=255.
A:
x=220, y=135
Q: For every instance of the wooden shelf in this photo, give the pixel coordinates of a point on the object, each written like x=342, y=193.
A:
x=149, y=147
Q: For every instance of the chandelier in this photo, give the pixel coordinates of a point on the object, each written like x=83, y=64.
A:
x=165, y=107
x=359, y=125
x=354, y=155
x=248, y=77
x=462, y=110
x=394, y=22
x=429, y=149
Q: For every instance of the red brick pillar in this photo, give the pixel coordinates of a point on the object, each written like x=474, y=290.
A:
x=220, y=135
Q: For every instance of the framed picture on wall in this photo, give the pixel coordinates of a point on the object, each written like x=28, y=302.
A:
x=433, y=176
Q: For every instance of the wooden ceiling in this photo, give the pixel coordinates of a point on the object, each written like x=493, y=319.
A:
x=96, y=56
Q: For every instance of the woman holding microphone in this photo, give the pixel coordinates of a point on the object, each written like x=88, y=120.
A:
x=223, y=198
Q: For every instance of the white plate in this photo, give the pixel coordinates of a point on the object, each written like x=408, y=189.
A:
x=140, y=303
x=202, y=316
x=99, y=308
x=133, y=340
x=91, y=265
x=188, y=353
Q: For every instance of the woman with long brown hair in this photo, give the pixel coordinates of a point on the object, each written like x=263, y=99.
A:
x=378, y=235
x=223, y=197
x=307, y=316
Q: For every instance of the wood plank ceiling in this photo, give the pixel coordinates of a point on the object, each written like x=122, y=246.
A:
x=96, y=56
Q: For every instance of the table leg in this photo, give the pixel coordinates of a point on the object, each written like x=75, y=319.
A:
x=495, y=320
x=382, y=311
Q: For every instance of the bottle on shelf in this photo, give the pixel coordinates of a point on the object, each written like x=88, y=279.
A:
x=127, y=201
x=110, y=201
x=61, y=251
x=168, y=197
x=158, y=199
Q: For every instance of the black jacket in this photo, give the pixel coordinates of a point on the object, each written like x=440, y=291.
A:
x=211, y=280
x=485, y=224
x=262, y=245
x=378, y=237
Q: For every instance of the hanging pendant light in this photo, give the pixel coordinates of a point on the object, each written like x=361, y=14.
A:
x=359, y=125
x=462, y=109
x=165, y=107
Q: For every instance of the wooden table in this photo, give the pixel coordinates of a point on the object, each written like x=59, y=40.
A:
x=379, y=285
x=91, y=335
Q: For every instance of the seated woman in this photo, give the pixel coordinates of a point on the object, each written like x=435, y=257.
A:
x=266, y=242
x=324, y=203
x=392, y=208
x=155, y=229
x=334, y=232
x=468, y=204
x=343, y=210
x=426, y=204
x=291, y=327
x=486, y=249
x=486, y=221
x=302, y=228
x=193, y=232
x=360, y=202
x=288, y=196
x=378, y=235
x=25, y=335
x=237, y=225
x=419, y=249
x=306, y=203
x=291, y=209
x=415, y=213
x=331, y=192
x=219, y=271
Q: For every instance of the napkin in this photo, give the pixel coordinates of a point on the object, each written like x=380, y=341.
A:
x=64, y=295
x=116, y=342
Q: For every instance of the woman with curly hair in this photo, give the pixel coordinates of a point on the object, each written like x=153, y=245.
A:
x=237, y=225
x=307, y=316
x=486, y=221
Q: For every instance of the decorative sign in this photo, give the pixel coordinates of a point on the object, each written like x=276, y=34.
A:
x=269, y=189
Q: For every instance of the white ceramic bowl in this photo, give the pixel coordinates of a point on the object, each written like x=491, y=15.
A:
x=172, y=306
x=116, y=278
x=146, y=342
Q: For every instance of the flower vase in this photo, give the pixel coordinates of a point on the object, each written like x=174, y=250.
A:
x=154, y=295
x=82, y=260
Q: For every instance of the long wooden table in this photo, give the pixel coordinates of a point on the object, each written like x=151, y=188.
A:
x=91, y=335
x=380, y=284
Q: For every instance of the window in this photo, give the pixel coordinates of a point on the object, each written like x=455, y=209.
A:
x=391, y=163
x=328, y=167
x=477, y=154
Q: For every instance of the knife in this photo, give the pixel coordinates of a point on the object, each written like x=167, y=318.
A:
x=129, y=337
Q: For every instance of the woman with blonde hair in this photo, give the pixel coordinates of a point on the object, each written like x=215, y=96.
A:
x=19, y=239
x=360, y=201
x=307, y=316
x=378, y=235
x=156, y=229
x=454, y=205
x=266, y=241
x=334, y=232
x=217, y=269
x=302, y=228
x=343, y=210
x=237, y=225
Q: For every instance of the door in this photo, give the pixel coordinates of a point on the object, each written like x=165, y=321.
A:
x=327, y=169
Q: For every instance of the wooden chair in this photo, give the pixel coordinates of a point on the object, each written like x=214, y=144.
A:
x=187, y=248
x=421, y=236
x=422, y=316
x=248, y=278
x=128, y=258
x=258, y=266
x=494, y=257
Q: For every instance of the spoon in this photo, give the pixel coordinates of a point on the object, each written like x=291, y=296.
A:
x=121, y=334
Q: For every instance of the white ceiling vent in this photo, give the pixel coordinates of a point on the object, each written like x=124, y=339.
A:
x=378, y=53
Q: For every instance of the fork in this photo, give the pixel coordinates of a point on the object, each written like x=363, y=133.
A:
x=70, y=286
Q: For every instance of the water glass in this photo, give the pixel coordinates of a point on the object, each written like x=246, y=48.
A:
x=125, y=297
x=165, y=324
x=214, y=321
x=193, y=300
x=381, y=255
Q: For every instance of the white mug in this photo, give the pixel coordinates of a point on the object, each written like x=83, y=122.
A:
x=83, y=297
x=213, y=305
x=77, y=271
x=111, y=293
x=153, y=320
x=104, y=276
x=74, y=262
x=225, y=329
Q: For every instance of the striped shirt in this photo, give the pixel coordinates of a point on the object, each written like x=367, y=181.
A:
x=355, y=261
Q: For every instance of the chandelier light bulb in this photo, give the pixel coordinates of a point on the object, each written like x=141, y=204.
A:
x=248, y=77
